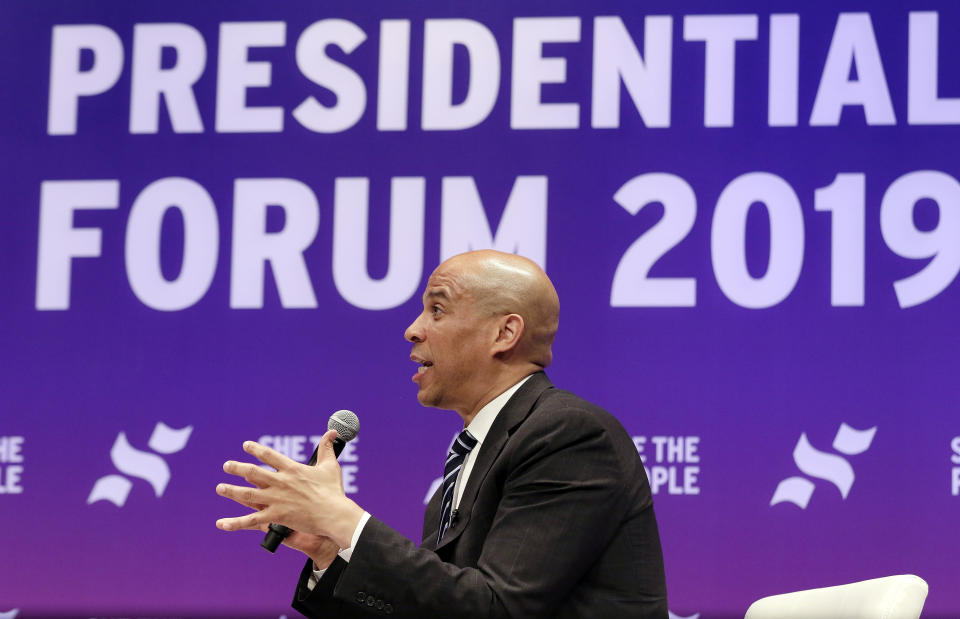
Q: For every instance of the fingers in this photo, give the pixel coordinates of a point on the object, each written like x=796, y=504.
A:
x=247, y=497
x=268, y=456
x=250, y=497
x=326, y=453
x=254, y=506
x=325, y=448
x=250, y=521
x=251, y=472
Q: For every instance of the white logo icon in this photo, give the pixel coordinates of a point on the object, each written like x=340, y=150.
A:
x=141, y=464
x=10, y=614
x=823, y=465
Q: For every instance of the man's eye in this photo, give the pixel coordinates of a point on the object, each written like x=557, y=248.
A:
x=436, y=310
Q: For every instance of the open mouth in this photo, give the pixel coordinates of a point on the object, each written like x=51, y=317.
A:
x=423, y=366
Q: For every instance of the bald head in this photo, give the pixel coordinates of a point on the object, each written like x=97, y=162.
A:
x=500, y=283
x=488, y=320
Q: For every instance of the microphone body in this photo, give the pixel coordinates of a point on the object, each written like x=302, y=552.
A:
x=347, y=426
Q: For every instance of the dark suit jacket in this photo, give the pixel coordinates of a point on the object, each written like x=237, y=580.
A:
x=556, y=520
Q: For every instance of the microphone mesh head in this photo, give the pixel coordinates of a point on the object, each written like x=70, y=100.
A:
x=345, y=423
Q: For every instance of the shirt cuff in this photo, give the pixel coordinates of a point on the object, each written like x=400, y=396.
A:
x=345, y=553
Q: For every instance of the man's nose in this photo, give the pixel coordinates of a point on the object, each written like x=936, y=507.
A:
x=414, y=333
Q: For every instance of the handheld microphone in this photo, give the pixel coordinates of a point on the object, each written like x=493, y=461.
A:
x=347, y=426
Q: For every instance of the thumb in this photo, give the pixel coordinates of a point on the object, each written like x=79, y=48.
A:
x=325, y=448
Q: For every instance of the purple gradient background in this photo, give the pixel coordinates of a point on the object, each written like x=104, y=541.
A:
x=747, y=382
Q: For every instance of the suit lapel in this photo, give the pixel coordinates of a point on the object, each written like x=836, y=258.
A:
x=512, y=415
x=431, y=521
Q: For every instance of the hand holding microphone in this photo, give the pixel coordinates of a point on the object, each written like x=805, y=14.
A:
x=347, y=426
x=308, y=498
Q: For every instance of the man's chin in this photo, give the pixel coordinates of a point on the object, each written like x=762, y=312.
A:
x=431, y=400
x=425, y=399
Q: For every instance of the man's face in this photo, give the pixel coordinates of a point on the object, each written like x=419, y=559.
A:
x=451, y=343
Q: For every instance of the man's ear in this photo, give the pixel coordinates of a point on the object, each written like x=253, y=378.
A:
x=510, y=330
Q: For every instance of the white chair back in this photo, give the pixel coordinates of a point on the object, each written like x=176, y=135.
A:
x=893, y=597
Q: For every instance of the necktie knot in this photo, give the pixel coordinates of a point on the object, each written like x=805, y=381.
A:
x=464, y=444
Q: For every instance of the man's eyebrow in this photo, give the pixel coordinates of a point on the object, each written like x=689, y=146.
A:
x=439, y=293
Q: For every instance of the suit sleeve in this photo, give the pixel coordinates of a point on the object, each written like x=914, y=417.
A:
x=562, y=499
x=320, y=601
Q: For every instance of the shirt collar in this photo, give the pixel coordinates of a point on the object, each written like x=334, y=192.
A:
x=480, y=424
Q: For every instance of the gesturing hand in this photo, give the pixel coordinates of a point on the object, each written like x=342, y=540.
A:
x=308, y=499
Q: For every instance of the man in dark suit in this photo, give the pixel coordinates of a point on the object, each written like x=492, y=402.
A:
x=547, y=513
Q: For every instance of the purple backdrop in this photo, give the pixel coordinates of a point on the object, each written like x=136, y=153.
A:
x=797, y=410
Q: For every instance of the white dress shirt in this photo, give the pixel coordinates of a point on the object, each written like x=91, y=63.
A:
x=479, y=426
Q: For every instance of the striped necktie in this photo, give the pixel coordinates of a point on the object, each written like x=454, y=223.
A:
x=451, y=470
